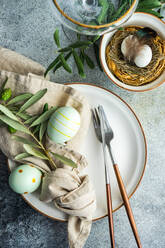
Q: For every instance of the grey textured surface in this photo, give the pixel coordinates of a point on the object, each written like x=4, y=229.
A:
x=27, y=27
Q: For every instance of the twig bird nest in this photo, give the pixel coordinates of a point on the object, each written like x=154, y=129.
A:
x=128, y=72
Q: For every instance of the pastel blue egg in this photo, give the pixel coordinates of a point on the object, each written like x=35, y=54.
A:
x=63, y=124
x=25, y=179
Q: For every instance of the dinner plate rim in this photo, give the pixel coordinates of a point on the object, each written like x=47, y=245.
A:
x=145, y=160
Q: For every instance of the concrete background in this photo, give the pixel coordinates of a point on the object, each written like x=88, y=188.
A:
x=27, y=27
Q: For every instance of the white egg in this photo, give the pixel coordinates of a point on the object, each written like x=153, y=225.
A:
x=63, y=124
x=144, y=56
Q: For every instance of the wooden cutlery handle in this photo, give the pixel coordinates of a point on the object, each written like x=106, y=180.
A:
x=127, y=205
x=110, y=217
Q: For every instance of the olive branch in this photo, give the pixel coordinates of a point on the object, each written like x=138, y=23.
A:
x=14, y=115
x=78, y=48
x=153, y=7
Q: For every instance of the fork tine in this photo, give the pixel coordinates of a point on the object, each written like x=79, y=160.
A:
x=105, y=118
x=96, y=124
x=97, y=116
x=100, y=115
x=94, y=118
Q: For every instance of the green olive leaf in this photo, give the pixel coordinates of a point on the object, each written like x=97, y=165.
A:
x=103, y=13
x=44, y=117
x=33, y=100
x=148, y=4
x=24, y=116
x=89, y=61
x=96, y=50
x=77, y=44
x=111, y=11
x=43, y=128
x=65, y=160
x=65, y=49
x=20, y=98
x=7, y=112
x=56, y=37
x=31, y=150
x=52, y=65
x=57, y=66
x=14, y=124
x=150, y=11
x=24, y=140
x=119, y=11
x=79, y=64
x=65, y=64
x=82, y=56
x=31, y=119
x=21, y=156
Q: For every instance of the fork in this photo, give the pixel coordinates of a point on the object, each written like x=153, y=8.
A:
x=108, y=138
x=99, y=134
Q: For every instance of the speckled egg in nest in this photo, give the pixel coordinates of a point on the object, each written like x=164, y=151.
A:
x=129, y=73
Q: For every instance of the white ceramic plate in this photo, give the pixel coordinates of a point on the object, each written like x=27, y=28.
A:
x=129, y=148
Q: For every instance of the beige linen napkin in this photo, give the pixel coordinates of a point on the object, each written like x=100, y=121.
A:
x=70, y=192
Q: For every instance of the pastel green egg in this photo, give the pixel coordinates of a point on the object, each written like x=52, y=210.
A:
x=25, y=179
x=63, y=124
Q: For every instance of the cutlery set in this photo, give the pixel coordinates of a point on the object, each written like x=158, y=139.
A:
x=105, y=135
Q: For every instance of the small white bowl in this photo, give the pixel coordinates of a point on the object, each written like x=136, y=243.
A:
x=139, y=19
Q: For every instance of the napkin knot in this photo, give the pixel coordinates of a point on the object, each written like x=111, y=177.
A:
x=75, y=196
